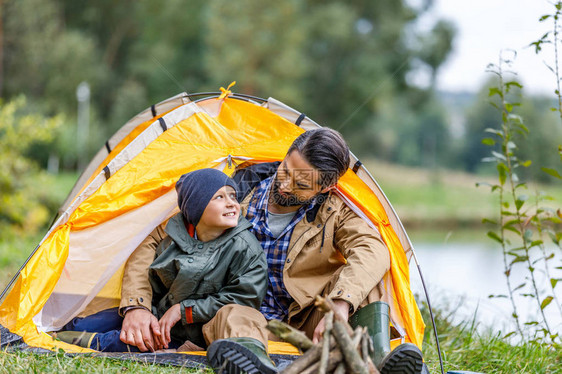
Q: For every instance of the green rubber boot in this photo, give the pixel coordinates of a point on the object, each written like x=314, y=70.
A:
x=239, y=355
x=79, y=338
x=406, y=358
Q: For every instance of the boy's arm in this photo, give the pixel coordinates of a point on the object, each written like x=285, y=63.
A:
x=246, y=285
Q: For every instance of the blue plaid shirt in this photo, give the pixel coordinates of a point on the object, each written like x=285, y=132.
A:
x=277, y=300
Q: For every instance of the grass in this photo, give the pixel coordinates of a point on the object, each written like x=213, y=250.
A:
x=464, y=348
x=24, y=362
x=492, y=354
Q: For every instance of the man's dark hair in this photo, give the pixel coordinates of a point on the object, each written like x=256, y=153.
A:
x=326, y=150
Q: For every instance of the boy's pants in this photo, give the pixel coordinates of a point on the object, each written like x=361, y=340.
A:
x=107, y=324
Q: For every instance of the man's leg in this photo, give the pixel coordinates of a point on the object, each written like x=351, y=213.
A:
x=105, y=342
x=103, y=321
x=99, y=331
x=373, y=314
x=237, y=338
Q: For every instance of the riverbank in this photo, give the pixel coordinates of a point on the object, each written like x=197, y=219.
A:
x=442, y=199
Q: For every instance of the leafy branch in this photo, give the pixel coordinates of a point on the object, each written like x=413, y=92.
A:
x=515, y=215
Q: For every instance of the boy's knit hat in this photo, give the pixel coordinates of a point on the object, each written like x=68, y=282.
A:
x=195, y=190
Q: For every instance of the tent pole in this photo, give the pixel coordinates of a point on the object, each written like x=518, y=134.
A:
x=430, y=311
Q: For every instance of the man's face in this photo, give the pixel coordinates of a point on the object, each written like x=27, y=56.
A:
x=296, y=183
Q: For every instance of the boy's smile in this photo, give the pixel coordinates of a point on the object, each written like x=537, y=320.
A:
x=222, y=211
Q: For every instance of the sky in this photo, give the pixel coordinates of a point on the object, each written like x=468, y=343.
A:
x=486, y=27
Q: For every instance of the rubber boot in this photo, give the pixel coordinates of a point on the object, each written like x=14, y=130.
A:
x=239, y=355
x=79, y=338
x=406, y=358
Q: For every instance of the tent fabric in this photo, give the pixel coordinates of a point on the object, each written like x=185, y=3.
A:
x=77, y=268
x=120, y=139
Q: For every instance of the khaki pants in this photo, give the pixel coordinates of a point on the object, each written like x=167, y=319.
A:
x=234, y=320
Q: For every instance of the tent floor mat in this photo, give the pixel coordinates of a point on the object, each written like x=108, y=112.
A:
x=174, y=359
x=10, y=342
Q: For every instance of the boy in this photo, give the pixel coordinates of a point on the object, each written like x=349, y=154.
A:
x=208, y=259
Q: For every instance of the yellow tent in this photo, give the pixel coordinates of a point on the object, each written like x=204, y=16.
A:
x=128, y=189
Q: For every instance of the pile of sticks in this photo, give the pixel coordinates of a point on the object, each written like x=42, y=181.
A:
x=341, y=349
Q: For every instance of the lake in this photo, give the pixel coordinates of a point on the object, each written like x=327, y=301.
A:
x=460, y=274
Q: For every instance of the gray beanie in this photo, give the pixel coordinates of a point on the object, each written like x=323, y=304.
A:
x=195, y=190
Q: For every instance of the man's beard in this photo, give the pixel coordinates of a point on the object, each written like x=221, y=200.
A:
x=289, y=199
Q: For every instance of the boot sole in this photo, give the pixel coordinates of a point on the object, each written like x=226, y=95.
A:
x=231, y=358
x=405, y=359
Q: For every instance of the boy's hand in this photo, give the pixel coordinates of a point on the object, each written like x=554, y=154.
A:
x=141, y=329
x=168, y=320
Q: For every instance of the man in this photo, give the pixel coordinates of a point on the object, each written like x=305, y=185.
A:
x=315, y=245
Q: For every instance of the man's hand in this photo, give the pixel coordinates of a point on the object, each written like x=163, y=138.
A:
x=340, y=307
x=141, y=329
x=168, y=320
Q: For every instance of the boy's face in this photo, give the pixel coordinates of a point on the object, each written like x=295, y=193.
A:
x=222, y=211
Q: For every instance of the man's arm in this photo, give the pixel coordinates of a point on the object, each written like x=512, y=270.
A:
x=367, y=259
x=140, y=327
x=135, y=289
x=367, y=256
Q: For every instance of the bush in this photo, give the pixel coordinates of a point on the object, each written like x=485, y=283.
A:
x=22, y=198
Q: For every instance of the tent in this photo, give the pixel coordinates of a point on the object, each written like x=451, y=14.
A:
x=128, y=189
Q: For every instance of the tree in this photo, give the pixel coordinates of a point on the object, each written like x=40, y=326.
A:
x=23, y=206
x=261, y=47
x=480, y=116
x=44, y=60
x=436, y=46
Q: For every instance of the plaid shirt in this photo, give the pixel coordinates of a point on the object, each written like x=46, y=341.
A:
x=277, y=300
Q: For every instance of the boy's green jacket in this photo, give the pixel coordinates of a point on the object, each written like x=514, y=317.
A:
x=204, y=276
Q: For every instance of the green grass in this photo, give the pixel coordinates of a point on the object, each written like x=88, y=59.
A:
x=465, y=348
x=491, y=354
x=24, y=362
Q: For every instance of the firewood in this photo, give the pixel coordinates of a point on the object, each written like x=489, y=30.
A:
x=311, y=357
x=326, y=342
x=326, y=305
x=334, y=359
x=365, y=340
x=349, y=350
x=340, y=369
x=290, y=334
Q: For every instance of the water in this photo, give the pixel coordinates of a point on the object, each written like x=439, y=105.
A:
x=461, y=275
